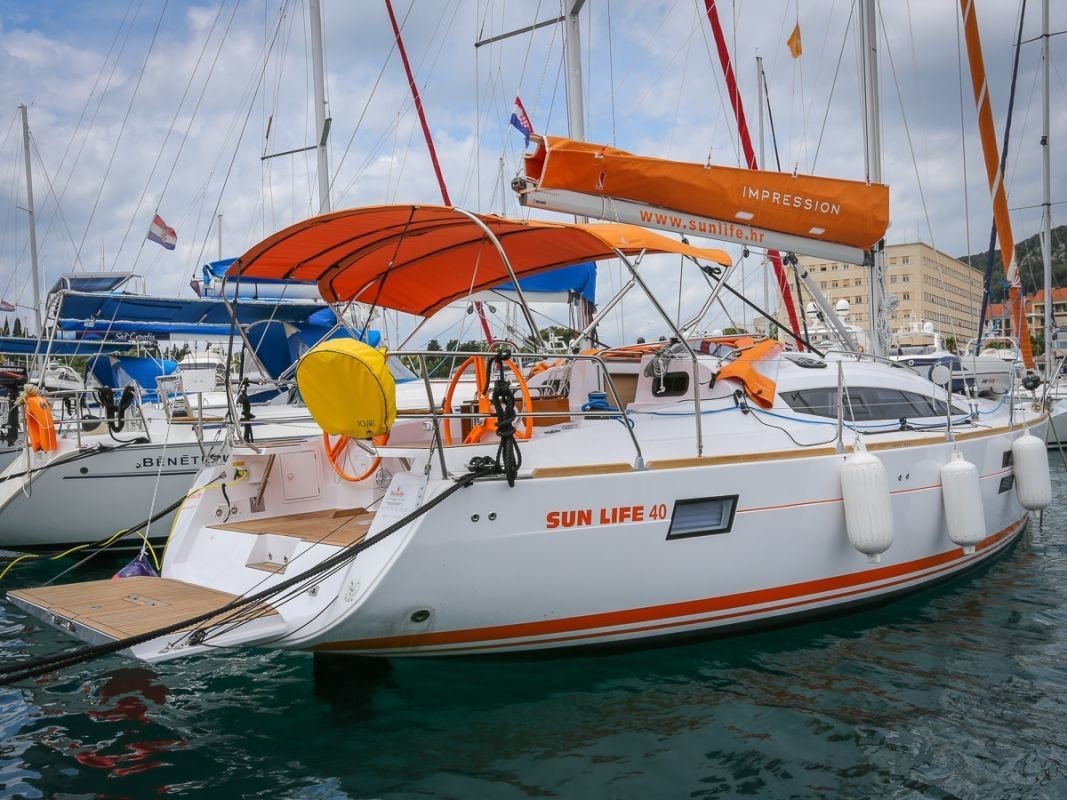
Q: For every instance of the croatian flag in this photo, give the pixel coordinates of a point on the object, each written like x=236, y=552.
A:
x=521, y=121
x=161, y=233
x=6, y=306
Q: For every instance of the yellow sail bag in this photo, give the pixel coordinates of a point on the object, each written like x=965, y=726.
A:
x=348, y=388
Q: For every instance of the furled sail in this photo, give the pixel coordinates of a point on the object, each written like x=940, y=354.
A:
x=995, y=173
x=836, y=219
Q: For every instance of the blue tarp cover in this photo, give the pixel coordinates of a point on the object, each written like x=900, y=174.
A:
x=118, y=371
x=91, y=281
x=579, y=278
x=162, y=316
x=18, y=346
x=278, y=345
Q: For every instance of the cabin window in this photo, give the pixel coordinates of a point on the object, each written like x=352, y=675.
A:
x=673, y=384
x=702, y=517
x=867, y=404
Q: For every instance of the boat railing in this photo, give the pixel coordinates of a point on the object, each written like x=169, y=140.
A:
x=76, y=415
x=438, y=417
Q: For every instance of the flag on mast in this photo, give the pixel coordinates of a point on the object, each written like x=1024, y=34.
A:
x=521, y=120
x=796, y=48
x=161, y=233
x=6, y=306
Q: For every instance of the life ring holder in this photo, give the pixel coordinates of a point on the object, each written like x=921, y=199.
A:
x=485, y=406
x=334, y=451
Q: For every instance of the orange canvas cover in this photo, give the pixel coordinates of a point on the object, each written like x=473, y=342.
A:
x=419, y=259
x=743, y=368
x=844, y=212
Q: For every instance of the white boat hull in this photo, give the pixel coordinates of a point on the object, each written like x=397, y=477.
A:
x=513, y=585
x=86, y=499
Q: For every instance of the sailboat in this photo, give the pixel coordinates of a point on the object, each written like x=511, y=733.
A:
x=625, y=495
x=685, y=487
x=131, y=438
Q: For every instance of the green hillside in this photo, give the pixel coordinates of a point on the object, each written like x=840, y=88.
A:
x=1028, y=255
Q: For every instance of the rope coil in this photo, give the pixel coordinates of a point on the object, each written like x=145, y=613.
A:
x=508, y=457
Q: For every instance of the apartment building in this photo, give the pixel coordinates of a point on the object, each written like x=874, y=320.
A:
x=1035, y=309
x=930, y=286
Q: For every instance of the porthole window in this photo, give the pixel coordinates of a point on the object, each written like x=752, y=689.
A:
x=673, y=384
x=702, y=516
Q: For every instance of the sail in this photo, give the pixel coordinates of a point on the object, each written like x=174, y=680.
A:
x=995, y=174
x=800, y=213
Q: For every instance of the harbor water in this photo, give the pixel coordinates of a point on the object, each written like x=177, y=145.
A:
x=957, y=692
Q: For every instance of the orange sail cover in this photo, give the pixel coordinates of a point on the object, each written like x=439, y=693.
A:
x=419, y=259
x=741, y=205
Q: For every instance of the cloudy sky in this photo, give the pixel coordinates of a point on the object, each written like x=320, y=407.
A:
x=144, y=105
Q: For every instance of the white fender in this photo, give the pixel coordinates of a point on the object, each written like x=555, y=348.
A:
x=1033, y=485
x=962, y=493
x=868, y=513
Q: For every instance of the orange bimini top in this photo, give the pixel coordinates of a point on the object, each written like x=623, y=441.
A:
x=853, y=213
x=419, y=259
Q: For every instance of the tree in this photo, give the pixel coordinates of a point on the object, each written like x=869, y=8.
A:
x=18, y=328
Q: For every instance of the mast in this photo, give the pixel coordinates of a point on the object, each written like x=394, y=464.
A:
x=32, y=219
x=759, y=165
x=872, y=128
x=1046, y=164
x=322, y=122
x=572, y=42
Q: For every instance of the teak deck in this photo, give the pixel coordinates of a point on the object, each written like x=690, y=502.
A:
x=128, y=606
x=335, y=526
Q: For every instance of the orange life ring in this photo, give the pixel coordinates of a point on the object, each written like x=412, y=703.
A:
x=336, y=450
x=485, y=406
x=40, y=426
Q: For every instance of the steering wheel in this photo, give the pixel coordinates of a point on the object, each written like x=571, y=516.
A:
x=334, y=451
x=485, y=405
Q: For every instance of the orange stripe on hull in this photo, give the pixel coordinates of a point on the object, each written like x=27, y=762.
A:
x=666, y=616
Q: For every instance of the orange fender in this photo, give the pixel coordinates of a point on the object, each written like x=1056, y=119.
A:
x=40, y=426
